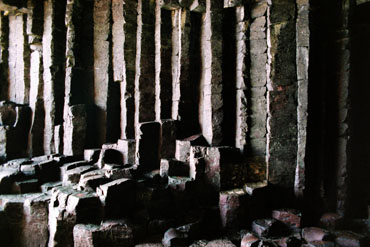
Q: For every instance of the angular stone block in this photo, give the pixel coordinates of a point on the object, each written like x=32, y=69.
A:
x=223, y=167
x=89, y=181
x=75, y=130
x=173, y=167
x=67, y=208
x=148, y=143
x=27, y=186
x=68, y=166
x=7, y=177
x=36, y=228
x=250, y=240
x=111, y=233
x=178, y=183
x=72, y=176
x=118, y=197
x=128, y=148
x=231, y=204
x=92, y=155
x=117, y=173
x=183, y=146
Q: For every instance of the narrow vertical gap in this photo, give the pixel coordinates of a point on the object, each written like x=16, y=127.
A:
x=130, y=46
x=194, y=72
x=87, y=75
x=59, y=33
x=229, y=76
x=166, y=67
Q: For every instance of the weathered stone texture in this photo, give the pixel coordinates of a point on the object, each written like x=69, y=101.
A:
x=211, y=102
x=241, y=130
x=128, y=85
x=19, y=59
x=4, y=53
x=53, y=47
x=302, y=60
x=145, y=63
x=75, y=130
x=102, y=65
x=282, y=88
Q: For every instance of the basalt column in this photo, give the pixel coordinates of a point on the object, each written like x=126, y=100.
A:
x=19, y=59
x=79, y=88
x=259, y=69
x=145, y=63
x=53, y=46
x=4, y=53
x=211, y=101
x=106, y=93
x=185, y=69
x=303, y=43
x=241, y=78
x=281, y=94
x=124, y=15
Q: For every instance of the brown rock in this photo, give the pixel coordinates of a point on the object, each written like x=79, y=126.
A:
x=314, y=234
x=231, y=206
x=250, y=240
x=291, y=217
x=330, y=220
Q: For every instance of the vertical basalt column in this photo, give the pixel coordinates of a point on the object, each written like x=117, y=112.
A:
x=19, y=59
x=53, y=46
x=79, y=72
x=211, y=102
x=258, y=80
x=119, y=73
x=281, y=94
x=128, y=85
x=303, y=45
x=175, y=61
x=36, y=101
x=164, y=73
x=342, y=75
x=35, y=31
x=4, y=54
x=145, y=63
x=241, y=79
x=102, y=69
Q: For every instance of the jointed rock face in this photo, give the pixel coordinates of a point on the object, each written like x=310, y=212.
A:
x=184, y=123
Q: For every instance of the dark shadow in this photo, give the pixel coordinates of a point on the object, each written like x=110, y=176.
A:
x=229, y=76
x=360, y=113
x=166, y=61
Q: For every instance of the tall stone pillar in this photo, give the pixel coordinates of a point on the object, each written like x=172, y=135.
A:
x=211, y=101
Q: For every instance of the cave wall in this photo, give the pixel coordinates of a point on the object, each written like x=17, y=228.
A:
x=238, y=72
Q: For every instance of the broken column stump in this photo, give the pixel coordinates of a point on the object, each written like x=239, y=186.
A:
x=222, y=167
x=118, y=197
x=75, y=130
x=111, y=233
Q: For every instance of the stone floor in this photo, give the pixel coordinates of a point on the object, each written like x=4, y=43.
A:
x=73, y=201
